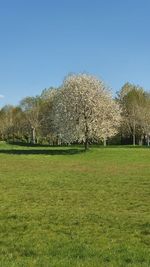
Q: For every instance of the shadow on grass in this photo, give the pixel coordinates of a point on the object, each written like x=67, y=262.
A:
x=31, y=145
x=41, y=151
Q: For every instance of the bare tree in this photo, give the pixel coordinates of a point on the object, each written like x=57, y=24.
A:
x=132, y=99
x=31, y=109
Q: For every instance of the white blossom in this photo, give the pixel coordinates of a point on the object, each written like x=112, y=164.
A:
x=84, y=110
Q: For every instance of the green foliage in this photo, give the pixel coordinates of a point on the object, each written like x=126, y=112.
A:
x=85, y=209
x=135, y=105
x=45, y=119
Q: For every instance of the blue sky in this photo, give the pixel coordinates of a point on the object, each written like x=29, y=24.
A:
x=41, y=41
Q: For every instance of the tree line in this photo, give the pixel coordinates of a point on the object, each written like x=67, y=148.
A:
x=81, y=110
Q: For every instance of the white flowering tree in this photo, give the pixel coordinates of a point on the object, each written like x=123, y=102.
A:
x=111, y=120
x=84, y=110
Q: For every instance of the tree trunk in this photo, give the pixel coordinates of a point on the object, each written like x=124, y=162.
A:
x=141, y=141
x=133, y=139
x=134, y=134
x=33, y=135
x=105, y=142
x=37, y=139
x=148, y=141
x=29, y=140
x=86, y=145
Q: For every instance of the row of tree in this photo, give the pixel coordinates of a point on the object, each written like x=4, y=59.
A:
x=82, y=110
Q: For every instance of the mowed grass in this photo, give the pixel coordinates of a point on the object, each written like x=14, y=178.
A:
x=61, y=207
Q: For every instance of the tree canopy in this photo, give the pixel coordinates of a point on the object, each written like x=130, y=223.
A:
x=81, y=110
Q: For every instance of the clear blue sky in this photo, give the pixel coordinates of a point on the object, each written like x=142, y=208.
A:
x=41, y=41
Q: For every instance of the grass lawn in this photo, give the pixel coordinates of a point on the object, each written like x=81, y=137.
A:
x=61, y=207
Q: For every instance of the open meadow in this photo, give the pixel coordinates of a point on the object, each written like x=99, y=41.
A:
x=62, y=207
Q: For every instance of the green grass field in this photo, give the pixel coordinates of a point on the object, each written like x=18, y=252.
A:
x=61, y=207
